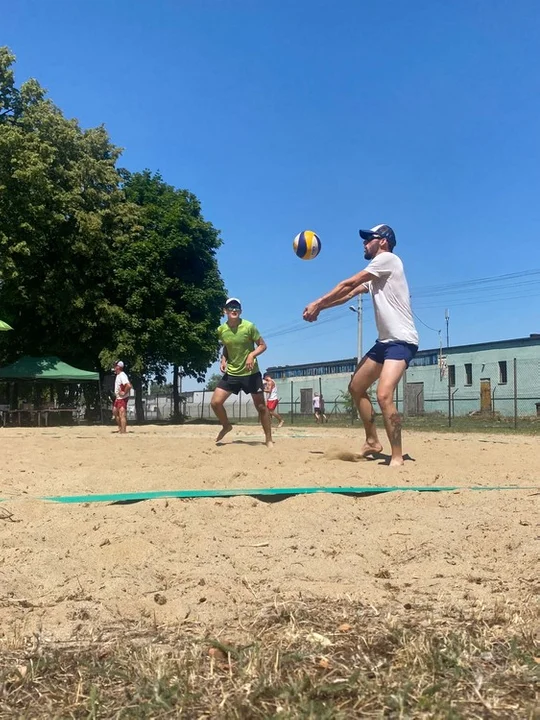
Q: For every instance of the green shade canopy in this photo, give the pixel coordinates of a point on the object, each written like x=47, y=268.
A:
x=5, y=326
x=45, y=368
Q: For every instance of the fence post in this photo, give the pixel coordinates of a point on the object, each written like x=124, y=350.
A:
x=453, y=403
x=240, y=407
x=515, y=394
x=202, y=404
x=353, y=406
x=292, y=406
x=449, y=392
x=404, y=401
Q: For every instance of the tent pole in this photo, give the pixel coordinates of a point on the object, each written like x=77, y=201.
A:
x=100, y=400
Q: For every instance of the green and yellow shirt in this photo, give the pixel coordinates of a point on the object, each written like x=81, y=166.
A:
x=239, y=341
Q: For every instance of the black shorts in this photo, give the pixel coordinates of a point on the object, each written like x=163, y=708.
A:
x=250, y=384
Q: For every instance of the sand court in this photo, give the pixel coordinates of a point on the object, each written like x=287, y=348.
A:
x=73, y=570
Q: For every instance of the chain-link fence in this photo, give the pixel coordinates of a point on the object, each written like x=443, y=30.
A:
x=463, y=396
x=500, y=394
x=496, y=395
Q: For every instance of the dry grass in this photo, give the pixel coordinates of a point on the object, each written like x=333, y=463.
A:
x=307, y=659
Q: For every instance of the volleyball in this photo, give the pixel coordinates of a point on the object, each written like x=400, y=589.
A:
x=307, y=245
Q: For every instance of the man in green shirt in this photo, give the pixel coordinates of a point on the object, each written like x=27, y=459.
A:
x=242, y=343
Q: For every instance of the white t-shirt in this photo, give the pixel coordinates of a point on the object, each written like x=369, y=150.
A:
x=317, y=402
x=120, y=379
x=271, y=390
x=391, y=301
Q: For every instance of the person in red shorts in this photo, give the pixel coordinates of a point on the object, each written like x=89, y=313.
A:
x=122, y=386
x=272, y=400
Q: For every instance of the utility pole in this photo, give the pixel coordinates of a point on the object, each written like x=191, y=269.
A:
x=447, y=318
x=359, y=310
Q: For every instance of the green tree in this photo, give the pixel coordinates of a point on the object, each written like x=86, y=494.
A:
x=95, y=263
x=212, y=382
x=62, y=212
x=167, y=283
x=347, y=402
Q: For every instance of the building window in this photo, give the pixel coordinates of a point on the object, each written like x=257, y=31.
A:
x=468, y=374
x=503, y=372
x=421, y=360
x=452, y=375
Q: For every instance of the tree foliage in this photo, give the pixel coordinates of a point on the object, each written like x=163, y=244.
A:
x=168, y=281
x=212, y=382
x=61, y=213
x=98, y=263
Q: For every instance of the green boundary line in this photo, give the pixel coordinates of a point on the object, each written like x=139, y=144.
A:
x=260, y=492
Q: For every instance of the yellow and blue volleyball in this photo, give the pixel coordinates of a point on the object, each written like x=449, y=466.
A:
x=307, y=245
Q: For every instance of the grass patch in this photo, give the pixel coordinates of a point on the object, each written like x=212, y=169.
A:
x=424, y=423
x=307, y=659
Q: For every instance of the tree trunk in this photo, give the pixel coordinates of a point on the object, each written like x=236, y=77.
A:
x=139, y=405
x=176, y=394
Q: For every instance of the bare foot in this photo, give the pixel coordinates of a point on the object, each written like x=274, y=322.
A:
x=371, y=449
x=396, y=462
x=269, y=444
x=281, y=424
x=224, y=430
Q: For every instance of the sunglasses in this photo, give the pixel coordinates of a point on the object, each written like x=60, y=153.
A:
x=233, y=308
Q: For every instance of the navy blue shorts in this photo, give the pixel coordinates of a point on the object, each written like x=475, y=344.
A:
x=382, y=351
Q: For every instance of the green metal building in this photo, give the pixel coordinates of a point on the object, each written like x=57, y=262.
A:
x=501, y=377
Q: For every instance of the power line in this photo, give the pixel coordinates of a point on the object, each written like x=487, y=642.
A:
x=434, y=297
x=424, y=324
x=477, y=301
x=429, y=289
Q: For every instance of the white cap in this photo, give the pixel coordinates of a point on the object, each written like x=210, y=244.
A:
x=119, y=363
x=230, y=301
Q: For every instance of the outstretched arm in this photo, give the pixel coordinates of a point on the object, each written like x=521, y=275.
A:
x=345, y=290
x=349, y=296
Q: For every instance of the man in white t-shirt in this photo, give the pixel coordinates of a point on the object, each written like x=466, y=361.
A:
x=318, y=409
x=122, y=386
x=397, y=341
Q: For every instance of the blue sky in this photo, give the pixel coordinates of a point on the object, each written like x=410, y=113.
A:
x=287, y=115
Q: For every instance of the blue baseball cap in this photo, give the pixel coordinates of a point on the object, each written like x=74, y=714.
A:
x=383, y=232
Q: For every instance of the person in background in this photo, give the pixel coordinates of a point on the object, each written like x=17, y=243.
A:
x=318, y=408
x=272, y=400
x=122, y=386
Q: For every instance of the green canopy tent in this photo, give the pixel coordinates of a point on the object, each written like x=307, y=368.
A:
x=49, y=369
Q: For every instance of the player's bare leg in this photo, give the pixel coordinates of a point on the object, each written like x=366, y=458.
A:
x=366, y=373
x=121, y=420
x=391, y=374
x=278, y=417
x=265, y=418
x=217, y=404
